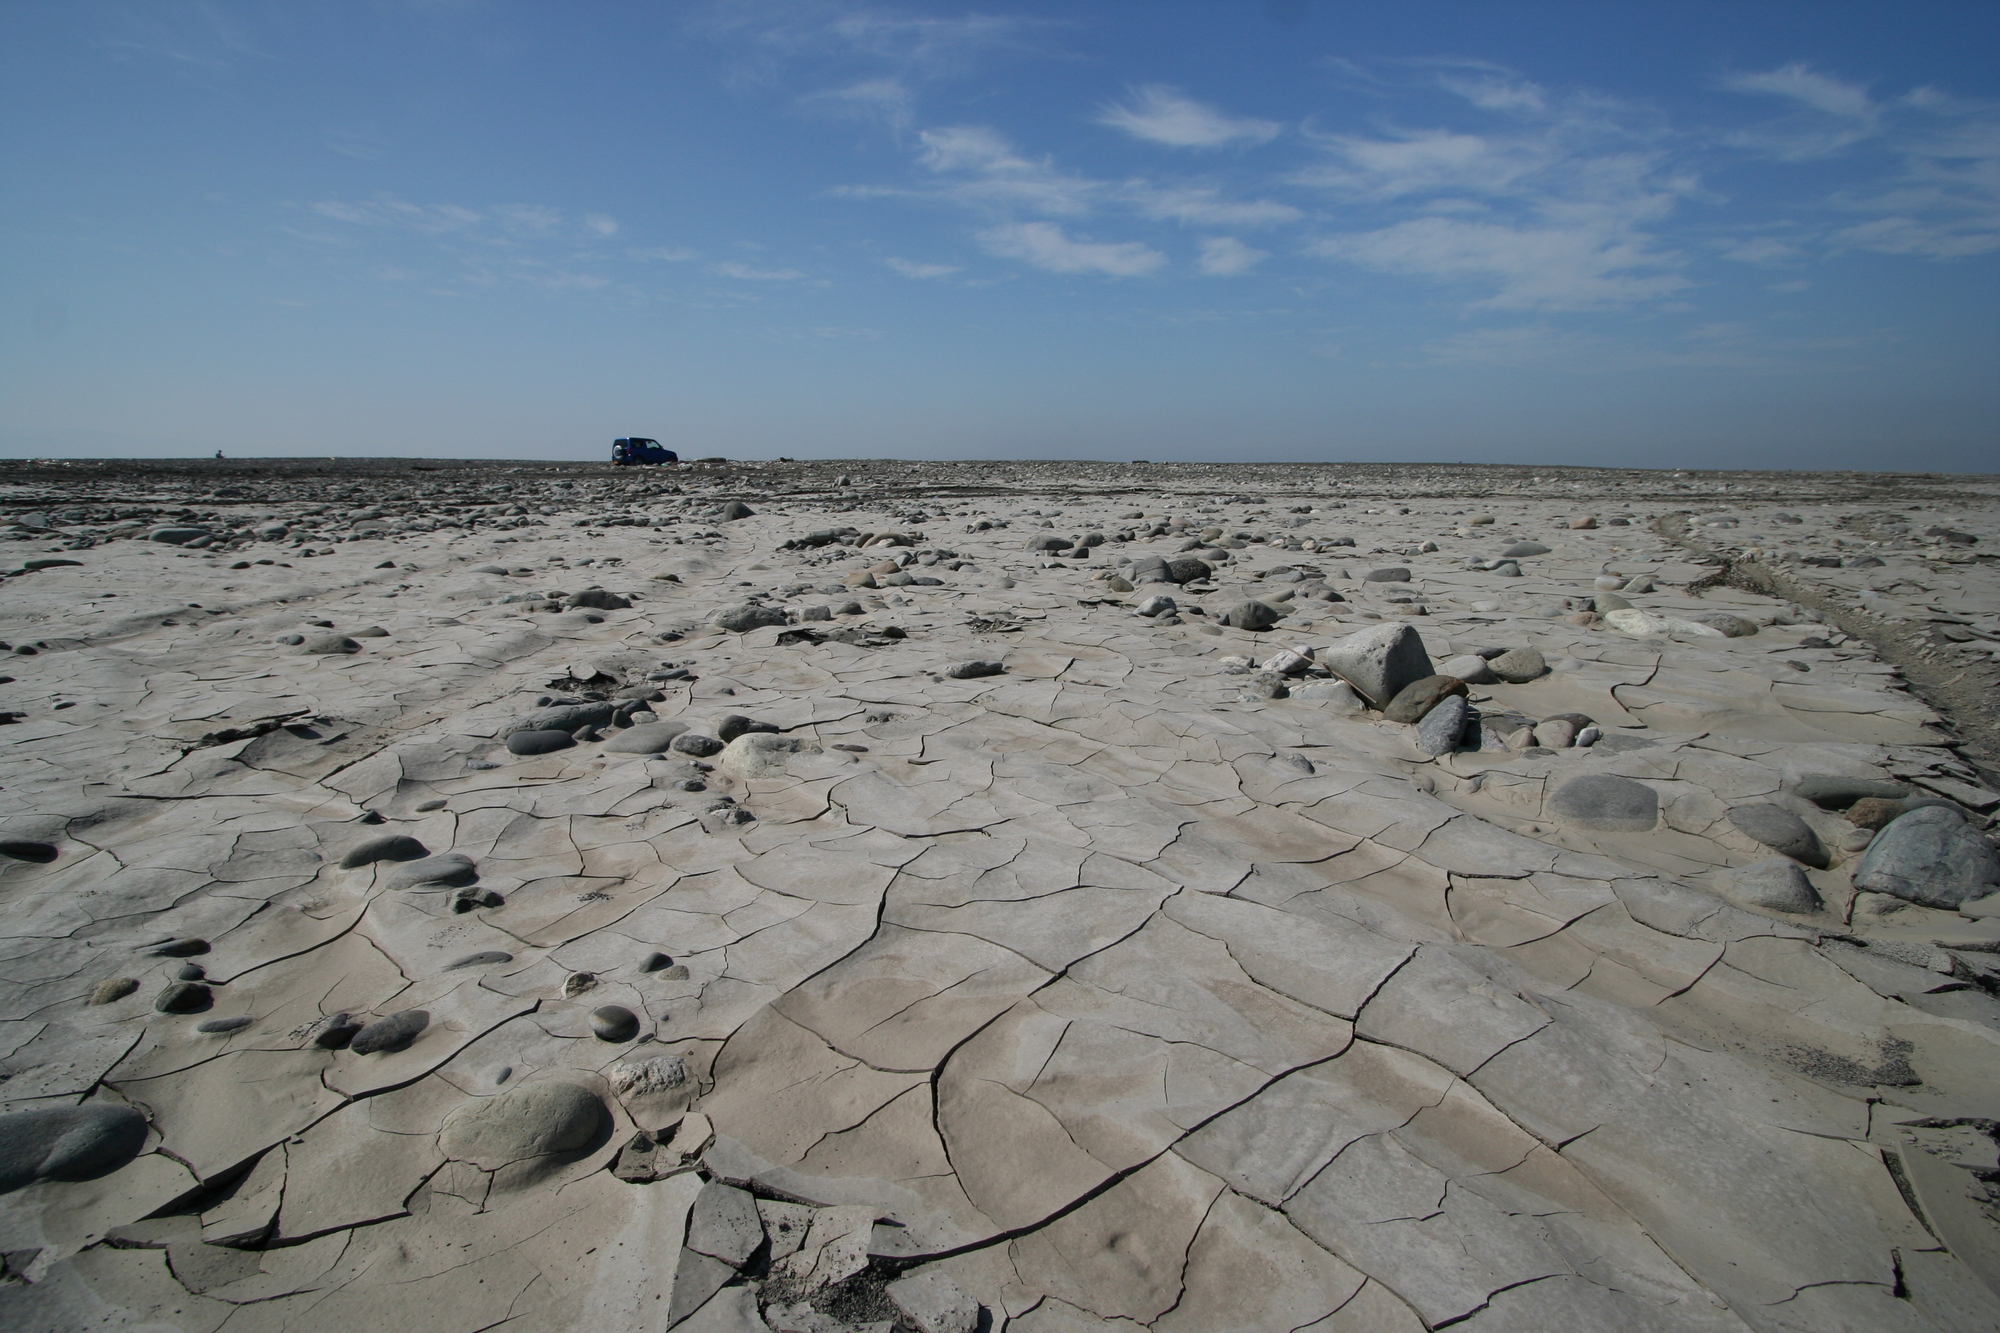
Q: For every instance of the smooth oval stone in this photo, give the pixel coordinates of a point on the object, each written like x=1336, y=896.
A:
x=614, y=1022
x=1555, y=733
x=447, y=870
x=1776, y=885
x=1874, y=813
x=176, y=536
x=597, y=599
x=1607, y=804
x=1831, y=792
x=1419, y=697
x=1187, y=569
x=655, y=961
x=190, y=972
x=539, y=742
x=224, y=1024
x=67, y=1143
x=1781, y=831
x=17, y=849
x=184, y=997
x=569, y=717
x=324, y=644
x=1519, y=549
x=1732, y=627
x=1470, y=668
x=1392, y=574
x=1930, y=856
x=392, y=1033
x=972, y=670
x=388, y=847
x=695, y=744
x=338, y=1034
x=1518, y=666
x=113, y=990
x=531, y=1121
x=187, y=948
x=734, y=510
x=484, y=958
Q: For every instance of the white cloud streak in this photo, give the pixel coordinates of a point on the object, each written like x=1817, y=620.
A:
x=1163, y=115
x=1226, y=257
x=1044, y=245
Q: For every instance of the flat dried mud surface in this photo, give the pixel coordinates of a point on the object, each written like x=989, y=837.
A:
x=545, y=897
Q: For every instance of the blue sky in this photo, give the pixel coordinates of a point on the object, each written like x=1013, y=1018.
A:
x=1688, y=234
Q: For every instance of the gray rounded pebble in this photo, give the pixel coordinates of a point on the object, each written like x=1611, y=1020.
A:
x=1607, y=804
x=392, y=1033
x=1443, y=726
x=185, y=948
x=67, y=1143
x=747, y=616
x=447, y=870
x=113, y=990
x=1781, y=831
x=1392, y=574
x=218, y=1025
x=531, y=1121
x=1252, y=615
x=539, y=742
x=1775, y=885
x=735, y=724
x=388, y=847
x=1519, y=549
x=327, y=644
x=1518, y=666
x=696, y=744
x=973, y=669
x=614, y=1022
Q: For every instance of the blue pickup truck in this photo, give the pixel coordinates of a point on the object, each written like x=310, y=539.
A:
x=634, y=450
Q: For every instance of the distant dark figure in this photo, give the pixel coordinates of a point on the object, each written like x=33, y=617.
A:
x=218, y=453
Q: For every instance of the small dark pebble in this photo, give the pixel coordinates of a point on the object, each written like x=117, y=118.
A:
x=39, y=852
x=190, y=972
x=655, y=961
x=484, y=958
x=539, y=742
x=388, y=847
x=224, y=1024
x=338, y=1032
x=187, y=948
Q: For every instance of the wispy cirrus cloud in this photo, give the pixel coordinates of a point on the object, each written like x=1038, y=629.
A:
x=1046, y=246
x=1164, y=115
x=910, y=268
x=1226, y=257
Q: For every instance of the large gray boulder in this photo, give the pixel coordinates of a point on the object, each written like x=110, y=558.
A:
x=1379, y=662
x=531, y=1121
x=1775, y=885
x=67, y=1143
x=1930, y=856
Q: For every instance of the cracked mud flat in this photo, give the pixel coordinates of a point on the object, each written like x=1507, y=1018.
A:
x=1150, y=980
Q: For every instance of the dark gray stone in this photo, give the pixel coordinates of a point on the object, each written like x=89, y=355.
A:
x=973, y=669
x=184, y=997
x=734, y=510
x=614, y=1022
x=1519, y=549
x=747, y=616
x=1831, y=792
x=325, y=644
x=1930, y=856
x=1252, y=615
x=1392, y=574
x=695, y=744
x=176, y=536
x=649, y=738
x=735, y=724
x=17, y=849
x=67, y=1143
x=597, y=599
x=539, y=742
x=1419, y=697
x=1187, y=569
x=1443, y=727
x=392, y=1033
x=221, y=1025
x=388, y=847
x=183, y=948
x=1607, y=804
x=1781, y=831
x=446, y=870
x=568, y=717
